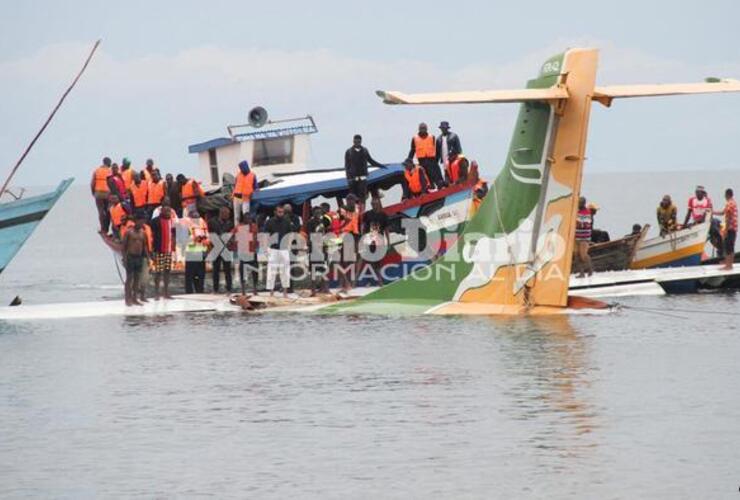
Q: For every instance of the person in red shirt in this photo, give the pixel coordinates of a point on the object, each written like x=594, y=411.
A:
x=584, y=228
x=730, y=213
x=116, y=185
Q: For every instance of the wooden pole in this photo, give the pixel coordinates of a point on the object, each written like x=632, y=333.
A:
x=48, y=120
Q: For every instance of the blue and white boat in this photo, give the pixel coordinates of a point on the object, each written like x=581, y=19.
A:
x=19, y=218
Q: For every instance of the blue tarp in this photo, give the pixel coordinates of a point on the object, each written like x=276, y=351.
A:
x=297, y=194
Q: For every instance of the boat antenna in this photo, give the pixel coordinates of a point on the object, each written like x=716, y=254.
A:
x=48, y=120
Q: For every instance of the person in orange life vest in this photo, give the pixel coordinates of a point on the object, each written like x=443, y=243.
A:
x=100, y=191
x=190, y=193
x=116, y=185
x=156, y=192
x=116, y=216
x=127, y=173
x=584, y=226
x=244, y=186
x=456, y=169
x=699, y=206
x=415, y=178
x=424, y=147
x=331, y=219
x=479, y=193
x=349, y=215
x=139, y=190
x=148, y=172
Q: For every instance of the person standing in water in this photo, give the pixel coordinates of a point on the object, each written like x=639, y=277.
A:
x=134, y=258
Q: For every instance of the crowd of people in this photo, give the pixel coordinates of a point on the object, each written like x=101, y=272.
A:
x=722, y=234
x=155, y=220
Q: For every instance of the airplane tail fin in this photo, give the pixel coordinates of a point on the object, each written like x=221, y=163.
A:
x=515, y=254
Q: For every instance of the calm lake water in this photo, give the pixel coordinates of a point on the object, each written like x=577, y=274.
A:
x=631, y=405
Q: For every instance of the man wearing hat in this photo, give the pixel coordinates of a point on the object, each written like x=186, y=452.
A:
x=699, y=206
x=448, y=144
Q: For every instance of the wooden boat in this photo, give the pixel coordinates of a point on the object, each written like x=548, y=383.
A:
x=19, y=218
x=679, y=248
x=616, y=255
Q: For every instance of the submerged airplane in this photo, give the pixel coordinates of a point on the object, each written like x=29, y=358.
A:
x=530, y=211
x=514, y=256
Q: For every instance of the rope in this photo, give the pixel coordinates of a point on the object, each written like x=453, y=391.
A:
x=118, y=268
x=691, y=311
x=48, y=120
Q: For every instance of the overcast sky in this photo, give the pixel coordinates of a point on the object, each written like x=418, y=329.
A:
x=170, y=74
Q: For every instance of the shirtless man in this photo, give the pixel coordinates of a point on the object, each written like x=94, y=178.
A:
x=135, y=256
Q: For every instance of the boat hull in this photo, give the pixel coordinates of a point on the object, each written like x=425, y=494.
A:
x=19, y=218
x=680, y=248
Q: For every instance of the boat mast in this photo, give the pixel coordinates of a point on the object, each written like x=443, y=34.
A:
x=48, y=120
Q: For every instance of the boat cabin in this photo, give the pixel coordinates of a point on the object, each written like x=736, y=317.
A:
x=270, y=147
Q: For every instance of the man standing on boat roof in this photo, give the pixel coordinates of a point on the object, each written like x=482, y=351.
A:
x=448, y=145
x=356, y=160
x=245, y=186
x=423, y=146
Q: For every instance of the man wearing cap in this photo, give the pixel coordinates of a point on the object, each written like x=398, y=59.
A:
x=699, y=205
x=423, y=147
x=448, y=145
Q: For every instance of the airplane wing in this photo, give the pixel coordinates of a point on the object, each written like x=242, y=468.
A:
x=605, y=94
x=475, y=96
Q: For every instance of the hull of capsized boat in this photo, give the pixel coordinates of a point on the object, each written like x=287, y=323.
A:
x=19, y=218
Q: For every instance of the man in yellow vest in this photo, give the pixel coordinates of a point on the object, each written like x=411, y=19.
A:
x=424, y=147
x=244, y=187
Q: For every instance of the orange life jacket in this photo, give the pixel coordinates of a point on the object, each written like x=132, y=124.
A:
x=413, y=179
x=101, y=179
x=353, y=224
x=190, y=191
x=425, y=146
x=147, y=175
x=128, y=178
x=139, y=194
x=117, y=212
x=453, y=169
x=155, y=193
x=244, y=186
